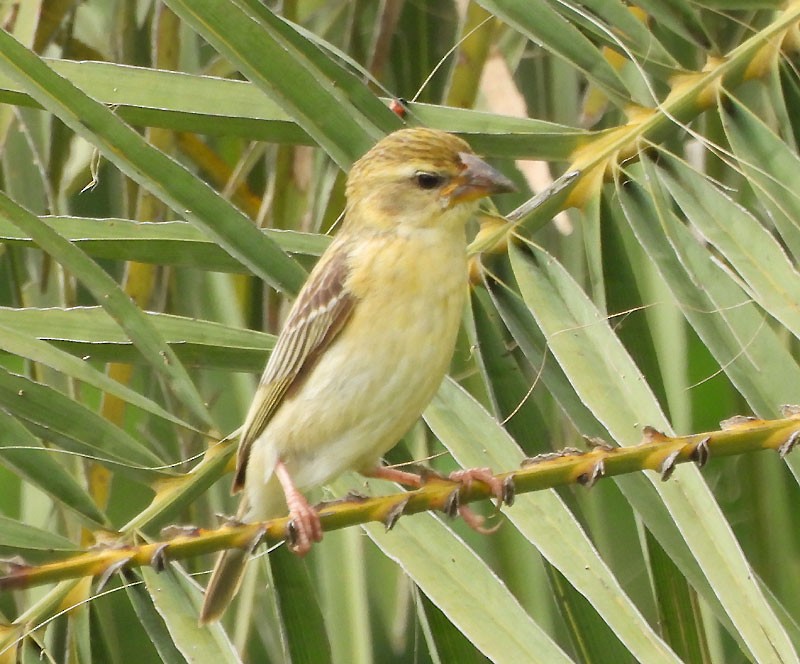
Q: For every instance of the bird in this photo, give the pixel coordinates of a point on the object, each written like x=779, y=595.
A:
x=368, y=340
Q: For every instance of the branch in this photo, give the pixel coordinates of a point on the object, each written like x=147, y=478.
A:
x=692, y=93
x=657, y=452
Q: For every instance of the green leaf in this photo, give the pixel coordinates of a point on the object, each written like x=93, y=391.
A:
x=153, y=623
x=713, y=303
x=508, y=386
x=164, y=243
x=463, y=587
x=154, y=170
x=754, y=256
x=329, y=103
x=74, y=427
x=23, y=345
x=111, y=297
x=219, y=106
x=769, y=165
x=19, y=537
x=89, y=332
x=298, y=603
x=523, y=328
x=616, y=25
x=636, y=488
x=444, y=640
x=177, y=599
x=580, y=338
x=543, y=25
x=679, y=611
x=24, y=454
x=476, y=441
x=680, y=17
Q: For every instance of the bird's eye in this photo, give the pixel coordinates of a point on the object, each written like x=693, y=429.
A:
x=426, y=180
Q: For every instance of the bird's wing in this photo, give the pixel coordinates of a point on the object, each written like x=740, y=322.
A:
x=319, y=314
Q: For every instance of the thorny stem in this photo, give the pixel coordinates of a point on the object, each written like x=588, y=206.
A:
x=657, y=452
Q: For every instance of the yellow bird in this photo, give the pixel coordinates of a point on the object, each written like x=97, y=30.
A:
x=368, y=340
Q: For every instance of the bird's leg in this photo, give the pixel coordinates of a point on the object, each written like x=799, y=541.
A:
x=465, y=477
x=304, y=527
x=394, y=475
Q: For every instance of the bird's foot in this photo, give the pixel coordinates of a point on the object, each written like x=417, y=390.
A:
x=485, y=475
x=462, y=477
x=304, y=526
x=466, y=478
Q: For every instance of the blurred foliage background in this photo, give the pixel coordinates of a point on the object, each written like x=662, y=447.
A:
x=170, y=171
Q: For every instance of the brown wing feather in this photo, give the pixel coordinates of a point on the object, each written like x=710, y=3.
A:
x=319, y=314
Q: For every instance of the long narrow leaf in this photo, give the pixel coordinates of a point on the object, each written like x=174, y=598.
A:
x=610, y=384
x=12, y=341
x=164, y=243
x=89, y=332
x=462, y=586
x=25, y=455
x=299, y=77
x=177, y=599
x=154, y=170
x=111, y=297
x=74, y=426
x=476, y=441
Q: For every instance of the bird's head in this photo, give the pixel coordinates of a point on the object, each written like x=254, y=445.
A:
x=419, y=178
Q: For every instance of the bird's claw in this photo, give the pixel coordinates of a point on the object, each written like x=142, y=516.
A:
x=303, y=529
x=476, y=521
x=485, y=475
x=502, y=490
x=498, y=488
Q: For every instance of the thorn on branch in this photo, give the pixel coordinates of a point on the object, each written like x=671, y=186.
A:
x=173, y=531
x=110, y=571
x=653, y=435
x=158, y=561
x=789, y=444
x=292, y=536
x=13, y=565
x=257, y=539
x=228, y=520
x=668, y=465
x=509, y=490
x=550, y=456
x=397, y=510
x=452, y=503
x=736, y=421
x=351, y=496
x=589, y=479
x=597, y=443
x=354, y=496
x=701, y=452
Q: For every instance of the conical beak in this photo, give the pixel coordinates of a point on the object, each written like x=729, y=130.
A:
x=477, y=180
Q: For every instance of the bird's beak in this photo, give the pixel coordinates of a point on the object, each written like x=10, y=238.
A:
x=477, y=180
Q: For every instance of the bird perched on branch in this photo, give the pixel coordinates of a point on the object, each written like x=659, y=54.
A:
x=368, y=340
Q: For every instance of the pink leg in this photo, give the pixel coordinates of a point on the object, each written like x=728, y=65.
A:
x=466, y=477
x=394, y=475
x=305, y=520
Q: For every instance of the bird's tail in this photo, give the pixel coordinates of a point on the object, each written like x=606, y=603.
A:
x=224, y=584
x=226, y=577
x=231, y=564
